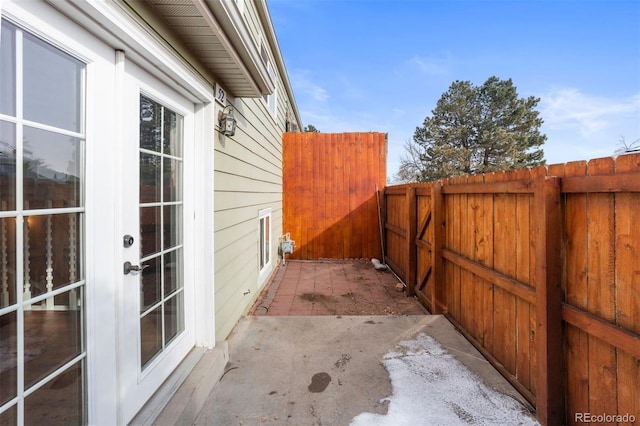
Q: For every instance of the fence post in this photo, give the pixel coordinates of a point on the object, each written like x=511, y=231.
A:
x=412, y=249
x=438, y=304
x=548, y=272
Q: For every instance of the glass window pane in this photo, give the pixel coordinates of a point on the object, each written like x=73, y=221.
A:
x=52, y=338
x=149, y=178
x=52, y=169
x=172, y=272
x=151, y=335
x=173, y=317
x=9, y=360
x=172, y=133
x=8, y=69
x=172, y=226
x=52, y=250
x=9, y=417
x=267, y=242
x=59, y=402
x=261, y=248
x=150, y=124
x=52, y=85
x=172, y=175
x=7, y=262
x=7, y=166
x=150, y=282
x=150, y=232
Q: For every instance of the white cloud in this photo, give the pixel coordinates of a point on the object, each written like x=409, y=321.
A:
x=582, y=126
x=429, y=66
x=569, y=108
x=305, y=86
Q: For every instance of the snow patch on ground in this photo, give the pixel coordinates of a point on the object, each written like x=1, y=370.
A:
x=431, y=387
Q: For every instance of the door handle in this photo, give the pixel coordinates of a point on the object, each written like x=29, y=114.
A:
x=128, y=267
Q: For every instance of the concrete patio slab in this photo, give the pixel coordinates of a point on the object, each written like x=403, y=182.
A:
x=322, y=370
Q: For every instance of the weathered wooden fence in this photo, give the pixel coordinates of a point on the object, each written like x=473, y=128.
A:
x=329, y=193
x=540, y=270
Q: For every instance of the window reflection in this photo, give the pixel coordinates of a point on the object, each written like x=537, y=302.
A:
x=52, y=337
x=7, y=262
x=52, y=165
x=7, y=70
x=7, y=166
x=51, y=251
x=53, y=96
x=9, y=357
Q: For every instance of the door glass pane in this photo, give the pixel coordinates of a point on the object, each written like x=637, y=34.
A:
x=53, y=336
x=51, y=252
x=151, y=332
x=52, y=169
x=52, y=85
x=172, y=271
x=59, y=401
x=150, y=232
x=172, y=226
x=8, y=265
x=172, y=174
x=161, y=224
x=150, y=124
x=8, y=70
x=172, y=134
x=9, y=357
x=150, y=284
x=7, y=166
x=149, y=177
x=173, y=317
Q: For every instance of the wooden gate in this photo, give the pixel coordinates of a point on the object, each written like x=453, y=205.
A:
x=330, y=202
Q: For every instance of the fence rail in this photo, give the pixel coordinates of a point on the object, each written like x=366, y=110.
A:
x=540, y=269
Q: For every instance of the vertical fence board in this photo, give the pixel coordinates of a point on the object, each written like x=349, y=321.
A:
x=329, y=189
x=549, y=395
x=600, y=289
x=523, y=308
x=628, y=286
x=438, y=225
x=576, y=340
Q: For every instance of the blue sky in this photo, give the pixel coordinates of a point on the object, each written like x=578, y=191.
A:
x=382, y=65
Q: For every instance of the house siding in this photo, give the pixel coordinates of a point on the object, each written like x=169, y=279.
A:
x=248, y=178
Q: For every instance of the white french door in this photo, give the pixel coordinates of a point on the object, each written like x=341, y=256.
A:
x=157, y=290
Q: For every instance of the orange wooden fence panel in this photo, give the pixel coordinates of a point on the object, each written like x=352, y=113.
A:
x=540, y=270
x=330, y=200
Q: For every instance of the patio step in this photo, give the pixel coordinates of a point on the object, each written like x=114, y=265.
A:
x=182, y=396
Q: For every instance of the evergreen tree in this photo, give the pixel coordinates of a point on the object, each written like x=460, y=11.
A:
x=479, y=129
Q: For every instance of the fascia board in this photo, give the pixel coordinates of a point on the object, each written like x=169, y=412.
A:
x=240, y=42
x=111, y=22
x=265, y=18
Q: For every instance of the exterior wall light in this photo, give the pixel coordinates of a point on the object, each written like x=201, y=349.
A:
x=227, y=121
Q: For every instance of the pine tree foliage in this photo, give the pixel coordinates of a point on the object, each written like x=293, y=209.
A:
x=479, y=129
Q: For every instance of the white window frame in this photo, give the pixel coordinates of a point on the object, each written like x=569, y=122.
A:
x=271, y=101
x=264, y=245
